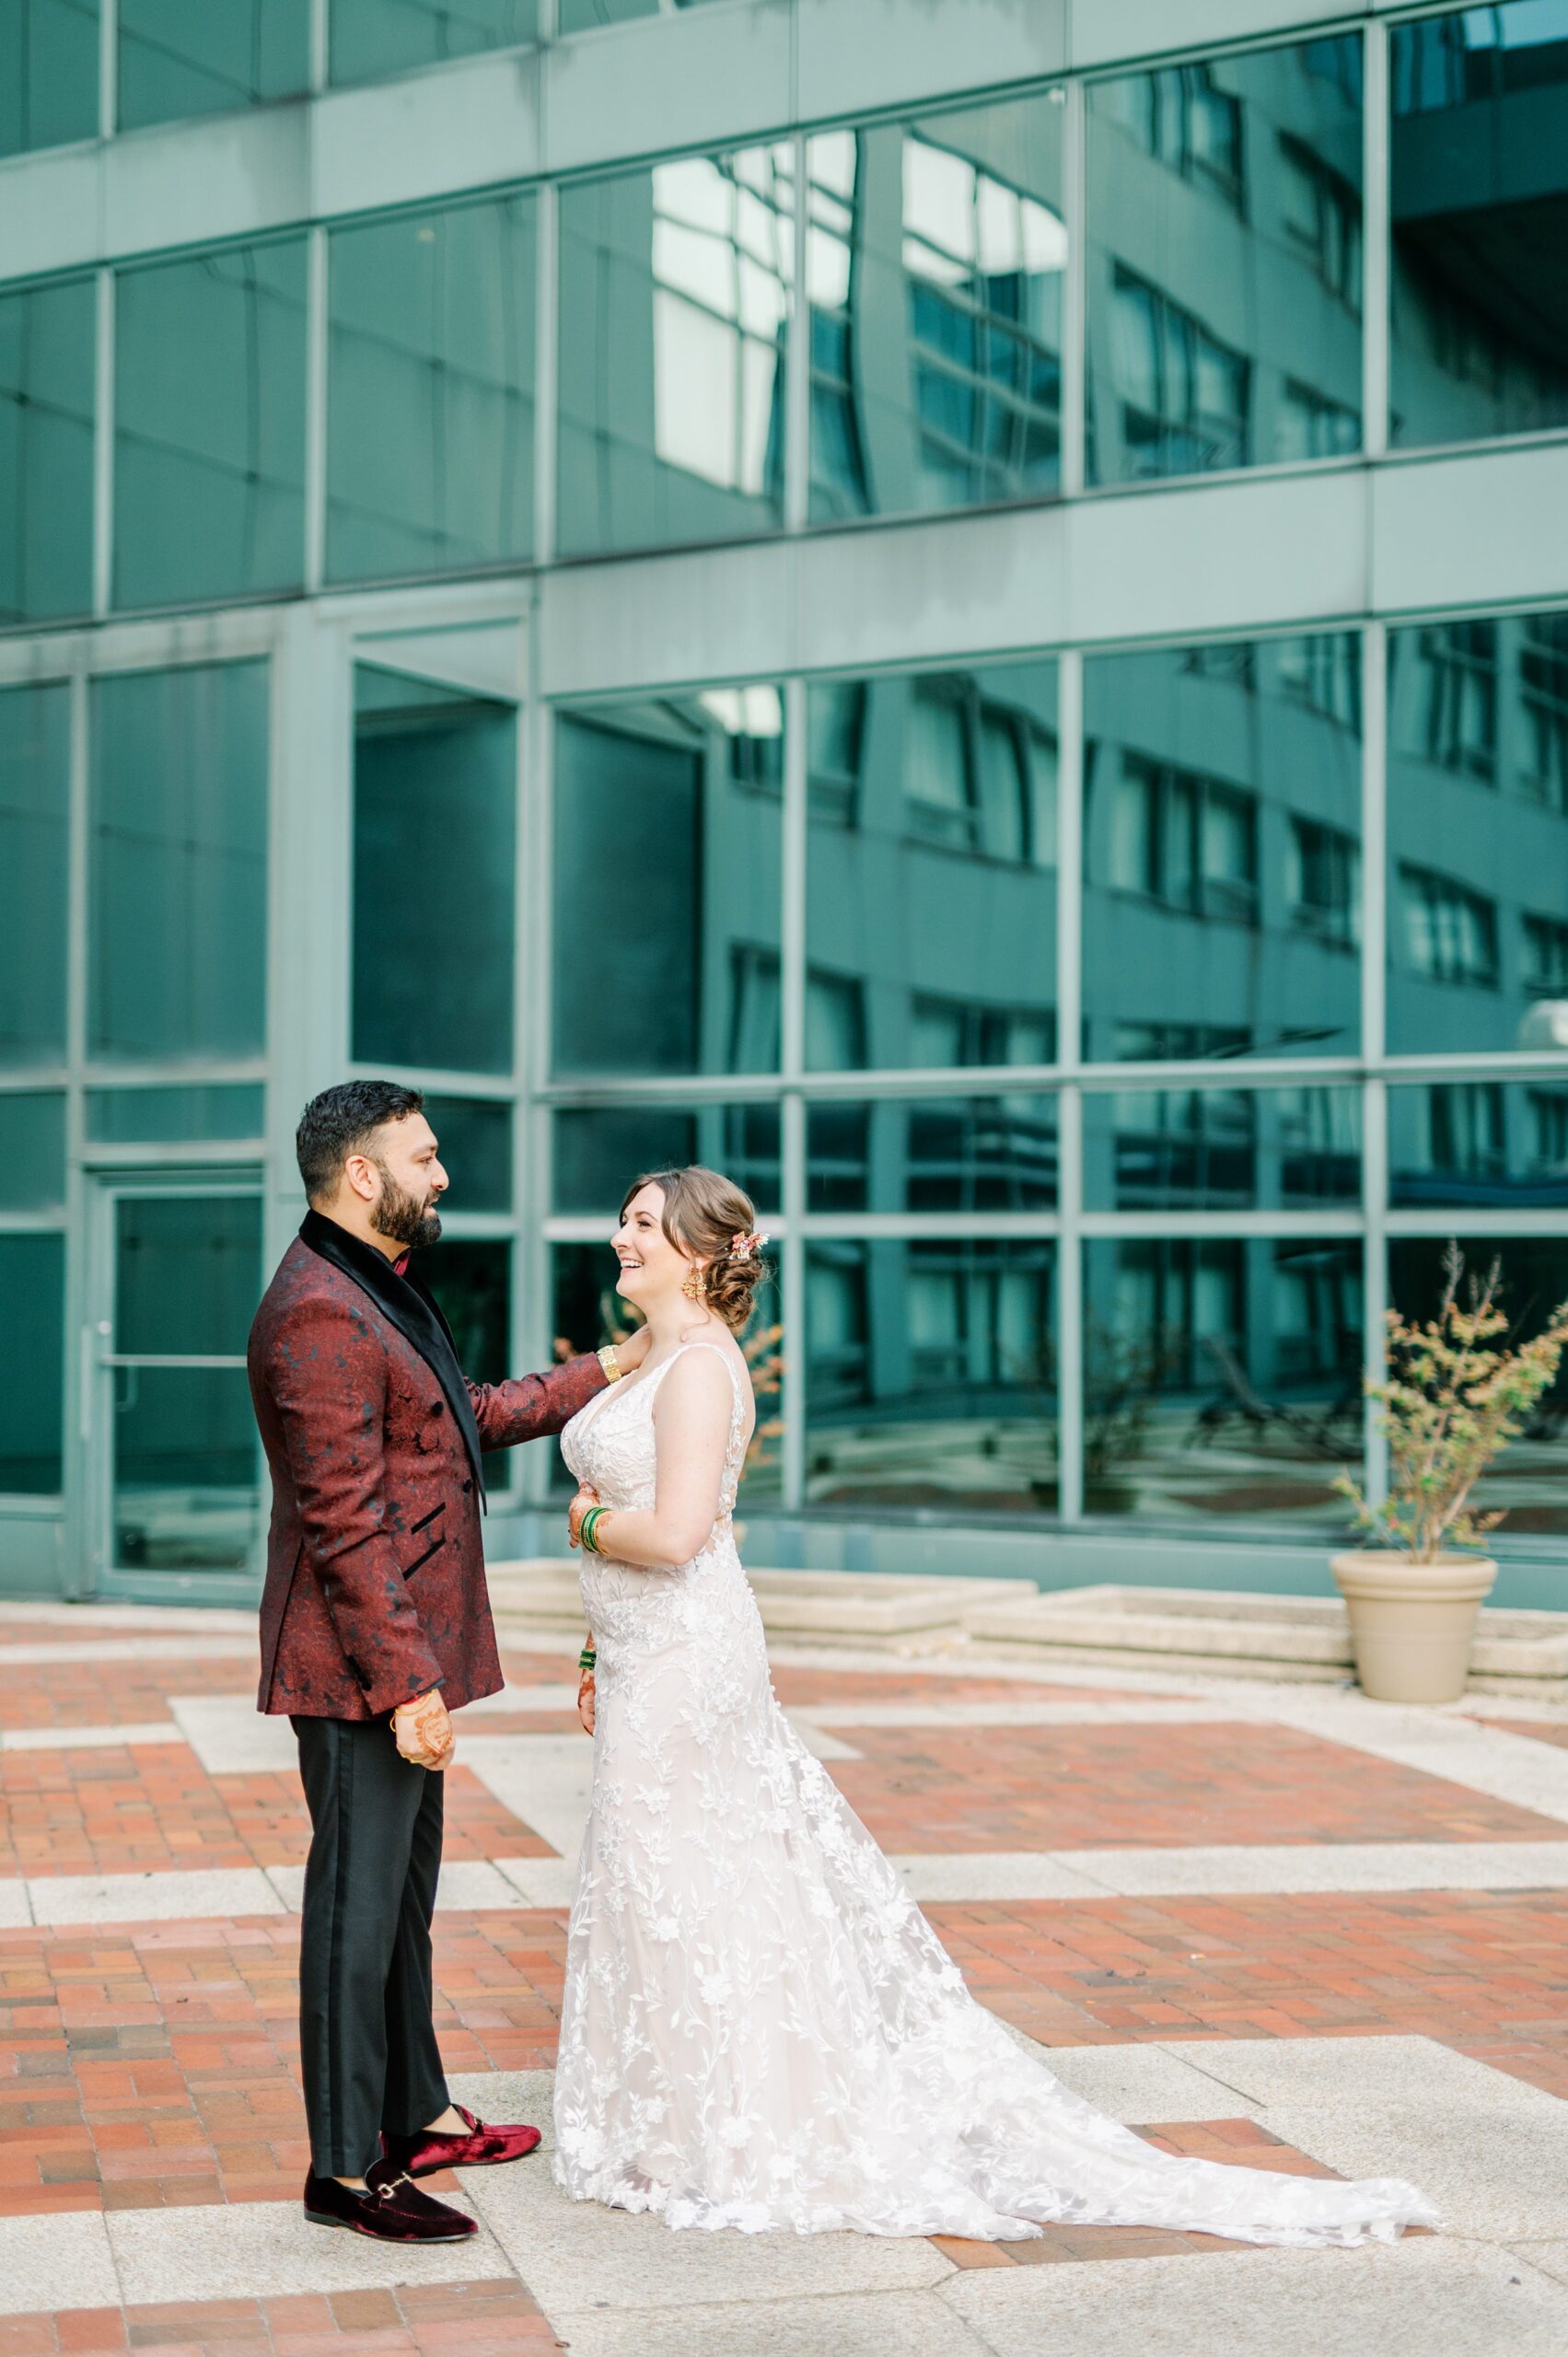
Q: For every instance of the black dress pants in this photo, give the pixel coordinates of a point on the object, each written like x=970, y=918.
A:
x=367, y=2046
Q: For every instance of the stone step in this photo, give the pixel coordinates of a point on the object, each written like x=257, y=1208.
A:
x=892, y=1609
x=1239, y=1635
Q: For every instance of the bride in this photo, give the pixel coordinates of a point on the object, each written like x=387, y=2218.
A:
x=760, y=2029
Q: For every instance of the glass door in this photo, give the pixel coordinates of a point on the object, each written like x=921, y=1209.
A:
x=176, y=1454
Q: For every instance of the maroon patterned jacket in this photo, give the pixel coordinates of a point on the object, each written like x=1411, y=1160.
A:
x=375, y=1589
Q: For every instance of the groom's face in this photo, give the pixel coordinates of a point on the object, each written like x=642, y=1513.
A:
x=409, y=1181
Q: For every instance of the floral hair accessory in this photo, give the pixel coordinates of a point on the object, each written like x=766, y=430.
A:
x=741, y=1247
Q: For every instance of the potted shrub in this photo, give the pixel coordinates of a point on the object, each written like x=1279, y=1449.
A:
x=1458, y=1392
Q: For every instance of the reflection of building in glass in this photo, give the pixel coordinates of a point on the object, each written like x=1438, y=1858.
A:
x=730, y=641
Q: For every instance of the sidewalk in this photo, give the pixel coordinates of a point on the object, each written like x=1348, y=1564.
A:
x=1280, y=1924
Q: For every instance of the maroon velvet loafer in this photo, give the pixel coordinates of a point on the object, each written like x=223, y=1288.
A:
x=389, y=2211
x=478, y=2147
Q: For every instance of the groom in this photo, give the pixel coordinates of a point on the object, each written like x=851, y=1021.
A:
x=374, y=1626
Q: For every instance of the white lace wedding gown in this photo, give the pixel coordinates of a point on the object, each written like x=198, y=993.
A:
x=760, y=2028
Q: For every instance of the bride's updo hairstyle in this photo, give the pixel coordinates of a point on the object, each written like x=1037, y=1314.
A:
x=709, y=1218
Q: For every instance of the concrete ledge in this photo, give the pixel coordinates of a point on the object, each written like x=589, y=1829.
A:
x=903, y=1612
x=1301, y=1638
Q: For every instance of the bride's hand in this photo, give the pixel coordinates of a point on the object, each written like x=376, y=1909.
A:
x=586, y=1700
x=585, y=1498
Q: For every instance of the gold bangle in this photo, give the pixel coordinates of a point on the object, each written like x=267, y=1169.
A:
x=609, y=1362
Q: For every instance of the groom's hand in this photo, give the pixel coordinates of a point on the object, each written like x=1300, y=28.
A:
x=424, y=1732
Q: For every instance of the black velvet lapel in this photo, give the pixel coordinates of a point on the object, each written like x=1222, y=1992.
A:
x=407, y=1303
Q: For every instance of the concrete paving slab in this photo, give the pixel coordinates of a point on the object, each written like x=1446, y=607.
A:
x=231, y=1737
x=15, y=1908
x=1334, y=2070
x=107, y=1738
x=1141, y=2085
x=1496, y=2178
x=560, y=2246
x=1427, y=2297
x=1484, y=1759
x=45, y=2260
x=152, y=1897
x=540, y=1882
x=1155, y=1711
x=1237, y=1868
x=258, y=2250
x=545, y=1780
x=889, y=2324
x=42, y=1650
x=960, y=1877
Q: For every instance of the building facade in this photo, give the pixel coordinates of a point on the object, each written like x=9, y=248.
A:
x=942, y=607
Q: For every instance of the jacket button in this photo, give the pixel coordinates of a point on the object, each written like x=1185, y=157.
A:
x=467, y=1487
x=438, y=1407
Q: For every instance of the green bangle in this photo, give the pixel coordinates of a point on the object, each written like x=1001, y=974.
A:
x=586, y=1658
x=588, y=1525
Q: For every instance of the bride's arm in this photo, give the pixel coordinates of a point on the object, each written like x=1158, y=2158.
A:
x=691, y=1432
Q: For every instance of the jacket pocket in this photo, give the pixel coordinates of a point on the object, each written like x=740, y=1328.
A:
x=433, y=1549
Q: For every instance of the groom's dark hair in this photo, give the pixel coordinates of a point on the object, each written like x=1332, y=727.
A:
x=342, y=1121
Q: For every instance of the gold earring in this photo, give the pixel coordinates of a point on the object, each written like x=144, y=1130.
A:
x=691, y=1284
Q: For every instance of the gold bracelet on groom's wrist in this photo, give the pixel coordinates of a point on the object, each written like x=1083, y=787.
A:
x=609, y=1362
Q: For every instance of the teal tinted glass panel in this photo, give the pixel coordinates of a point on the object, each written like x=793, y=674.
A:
x=930, y=1375
x=35, y=853
x=931, y=892
x=49, y=72
x=430, y=391
x=434, y=830
x=209, y=439
x=1225, y=262
x=186, y=1497
x=150, y=1116
x=177, y=60
x=370, y=38
x=472, y=1282
x=600, y=1150
x=1478, y=835
x=32, y=1150
x=32, y=1365
x=1222, y=850
x=1473, y=1142
x=473, y=1138
x=934, y=268
x=674, y=298
x=1221, y=1149
x=1478, y=137
x=936, y=1153
x=178, y=863
x=685, y=797
x=1530, y=1481
x=1222, y=1378
x=186, y=1269
x=47, y=342
x=588, y=1312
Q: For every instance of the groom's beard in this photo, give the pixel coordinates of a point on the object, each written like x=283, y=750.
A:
x=403, y=1218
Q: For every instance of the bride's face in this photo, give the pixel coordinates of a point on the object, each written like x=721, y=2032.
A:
x=651, y=1268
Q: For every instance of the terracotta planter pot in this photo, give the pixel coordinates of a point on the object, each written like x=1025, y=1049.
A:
x=1412, y=1624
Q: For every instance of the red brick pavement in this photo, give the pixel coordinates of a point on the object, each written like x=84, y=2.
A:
x=1151, y=1786
x=480, y=2319
x=155, y=2064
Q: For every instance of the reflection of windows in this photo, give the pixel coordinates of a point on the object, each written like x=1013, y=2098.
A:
x=1138, y=1043
x=947, y=1032
x=1179, y=116
x=1185, y=840
x=978, y=777
x=1175, y=1145
x=1546, y=956
x=1307, y=424
x=835, y=1320
x=984, y=266
x=1183, y=393
x=754, y=1025
x=1543, y=692
x=1450, y=932
x=1464, y=1129
x=835, y=738
x=1233, y=660
x=1322, y=219
x=752, y=723
x=1549, y=1132
x=723, y=245
x=838, y=457
x=1320, y=1145
x=835, y=1021
x=1323, y=881
x=46, y=336
x=1458, y=664
x=1323, y=671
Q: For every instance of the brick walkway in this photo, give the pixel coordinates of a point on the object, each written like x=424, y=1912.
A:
x=152, y=2065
